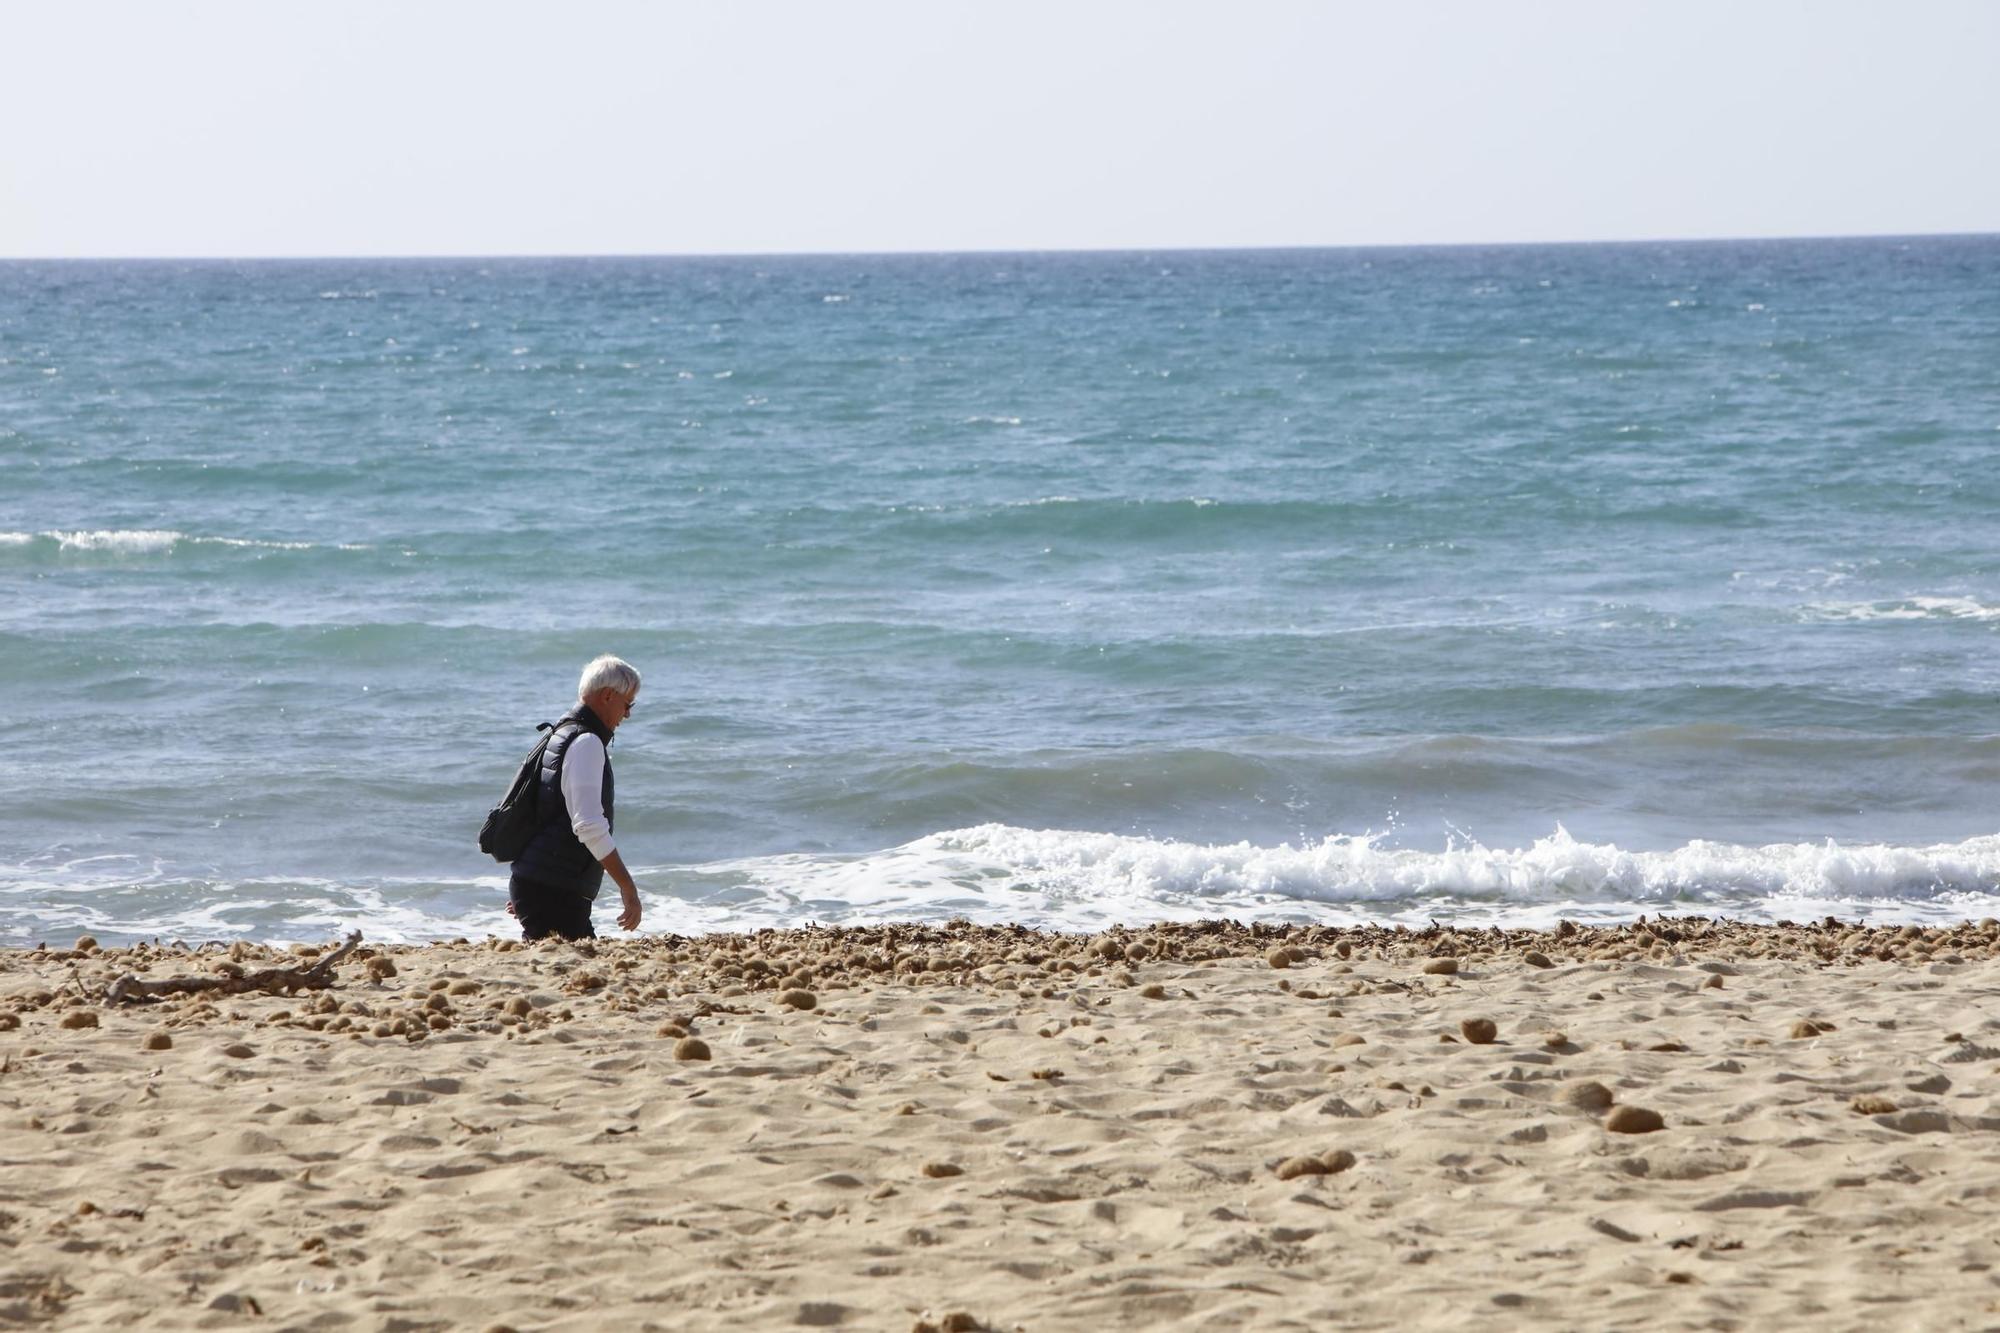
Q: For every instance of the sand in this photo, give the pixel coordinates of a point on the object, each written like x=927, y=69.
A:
x=1676, y=1124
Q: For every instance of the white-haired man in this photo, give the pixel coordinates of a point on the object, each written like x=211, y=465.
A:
x=557, y=876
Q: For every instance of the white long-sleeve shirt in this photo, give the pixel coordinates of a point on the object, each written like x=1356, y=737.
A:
x=583, y=793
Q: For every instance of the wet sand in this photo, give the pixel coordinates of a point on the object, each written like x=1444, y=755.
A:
x=1679, y=1124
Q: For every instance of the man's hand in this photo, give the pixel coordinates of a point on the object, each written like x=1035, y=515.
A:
x=614, y=865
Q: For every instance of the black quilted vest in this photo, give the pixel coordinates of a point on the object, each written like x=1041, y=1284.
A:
x=555, y=856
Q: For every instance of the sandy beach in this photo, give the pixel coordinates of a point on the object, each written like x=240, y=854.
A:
x=1677, y=1124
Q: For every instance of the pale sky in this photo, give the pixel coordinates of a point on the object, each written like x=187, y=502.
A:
x=437, y=127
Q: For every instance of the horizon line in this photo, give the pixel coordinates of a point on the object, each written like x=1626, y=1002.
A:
x=499, y=255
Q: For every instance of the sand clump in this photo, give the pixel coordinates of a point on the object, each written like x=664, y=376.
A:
x=1328, y=1163
x=955, y=1321
x=1588, y=1095
x=1634, y=1120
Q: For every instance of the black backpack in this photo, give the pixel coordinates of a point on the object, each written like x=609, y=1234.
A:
x=510, y=824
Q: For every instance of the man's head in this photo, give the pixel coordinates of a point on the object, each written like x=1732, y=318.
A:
x=608, y=686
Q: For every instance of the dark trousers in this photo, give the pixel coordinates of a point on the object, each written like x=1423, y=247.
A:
x=545, y=910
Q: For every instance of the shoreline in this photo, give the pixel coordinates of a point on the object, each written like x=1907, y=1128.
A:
x=1171, y=1126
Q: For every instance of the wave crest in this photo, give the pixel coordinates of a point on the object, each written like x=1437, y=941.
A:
x=1360, y=869
x=147, y=541
x=1065, y=880
x=1085, y=881
x=1907, y=608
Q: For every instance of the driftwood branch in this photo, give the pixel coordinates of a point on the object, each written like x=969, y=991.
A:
x=271, y=980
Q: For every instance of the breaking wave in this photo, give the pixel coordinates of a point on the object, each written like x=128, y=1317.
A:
x=1907, y=608
x=1086, y=880
x=146, y=541
x=1068, y=880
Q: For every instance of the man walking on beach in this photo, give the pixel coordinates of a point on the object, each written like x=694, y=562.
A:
x=557, y=876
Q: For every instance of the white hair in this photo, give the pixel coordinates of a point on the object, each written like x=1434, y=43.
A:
x=607, y=673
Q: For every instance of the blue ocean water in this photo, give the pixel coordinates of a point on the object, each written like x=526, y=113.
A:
x=1485, y=584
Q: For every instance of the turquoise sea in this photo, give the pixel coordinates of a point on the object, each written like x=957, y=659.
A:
x=1476, y=584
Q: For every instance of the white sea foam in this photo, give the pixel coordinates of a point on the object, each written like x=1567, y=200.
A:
x=1908, y=608
x=124, y=541
x=152, y=541
x=1068, y=880
x=1084, y=881
x=267, y=546
x=1093, y=871
x=131, y=897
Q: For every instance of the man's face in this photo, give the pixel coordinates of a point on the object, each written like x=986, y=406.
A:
x=612, y=707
